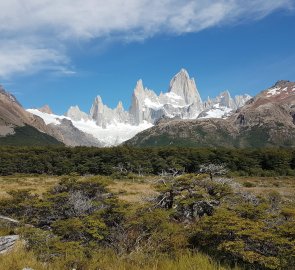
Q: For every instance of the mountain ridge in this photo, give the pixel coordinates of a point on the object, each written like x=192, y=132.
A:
x=268, y=119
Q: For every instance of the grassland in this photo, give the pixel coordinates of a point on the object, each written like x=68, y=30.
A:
x=138, y=189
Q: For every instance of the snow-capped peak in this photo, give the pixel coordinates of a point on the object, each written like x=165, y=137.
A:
x=182, y=100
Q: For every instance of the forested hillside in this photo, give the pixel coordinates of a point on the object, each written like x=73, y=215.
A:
x=28, y=136
x=141, y=161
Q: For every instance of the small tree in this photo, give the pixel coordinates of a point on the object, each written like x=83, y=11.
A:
x=213, y=169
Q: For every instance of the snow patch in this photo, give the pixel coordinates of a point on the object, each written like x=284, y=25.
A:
x=48, y=118
x=151, y=104
x=113, y=134
x=273, y=91
x=172, y=95
x=217, y=112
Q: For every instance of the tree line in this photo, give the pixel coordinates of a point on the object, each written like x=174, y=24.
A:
x=129, y=160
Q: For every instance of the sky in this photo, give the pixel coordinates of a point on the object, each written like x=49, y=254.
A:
x=66, y=52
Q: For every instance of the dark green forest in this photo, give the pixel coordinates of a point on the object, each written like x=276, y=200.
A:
x=128, y=160
x=29, y=136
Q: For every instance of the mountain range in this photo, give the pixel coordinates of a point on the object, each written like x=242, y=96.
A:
x=114, y=126
x=176, y=117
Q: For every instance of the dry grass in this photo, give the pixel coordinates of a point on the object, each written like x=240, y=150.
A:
x=19, y=258
x=38, y=184
x=133, y=192
x=128, y=190
x=136, y=191
x=263, y=185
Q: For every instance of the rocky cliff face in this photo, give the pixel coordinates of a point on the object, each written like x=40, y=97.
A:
x=72, y=136
x=265, y=120
x=104, y=116
x=182, y=100
x=76, y=114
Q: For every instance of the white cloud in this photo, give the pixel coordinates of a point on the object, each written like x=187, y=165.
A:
x=53, y=22
x=23, y=59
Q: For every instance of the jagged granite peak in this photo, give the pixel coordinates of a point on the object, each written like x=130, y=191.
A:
x=181, y=100
x=76, y=114
x=185, y=87
x=224, y=99
x=104, y=116
x=145, y=105
x=46, y=109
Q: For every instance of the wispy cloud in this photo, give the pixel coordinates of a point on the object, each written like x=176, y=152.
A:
x=53, y=24
x=16, y=57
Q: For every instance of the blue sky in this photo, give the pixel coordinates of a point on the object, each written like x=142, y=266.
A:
x=65, y=52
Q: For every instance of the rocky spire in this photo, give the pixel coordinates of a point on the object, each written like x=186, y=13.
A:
x=137, y=103
x=185, y=87
x=120, y=106
x=76, y=114
x=139, y=87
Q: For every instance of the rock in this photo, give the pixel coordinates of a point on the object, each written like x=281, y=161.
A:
x=8, y=219
x=7, y=243
x=76, y=114
x=104, y=116
x=45, y=109
x=72, y=136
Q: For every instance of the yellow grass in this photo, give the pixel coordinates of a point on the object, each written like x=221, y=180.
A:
x=132, y=192
x=38, y=184
x=19, y=258
x=263, y=185
x=127, y=190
